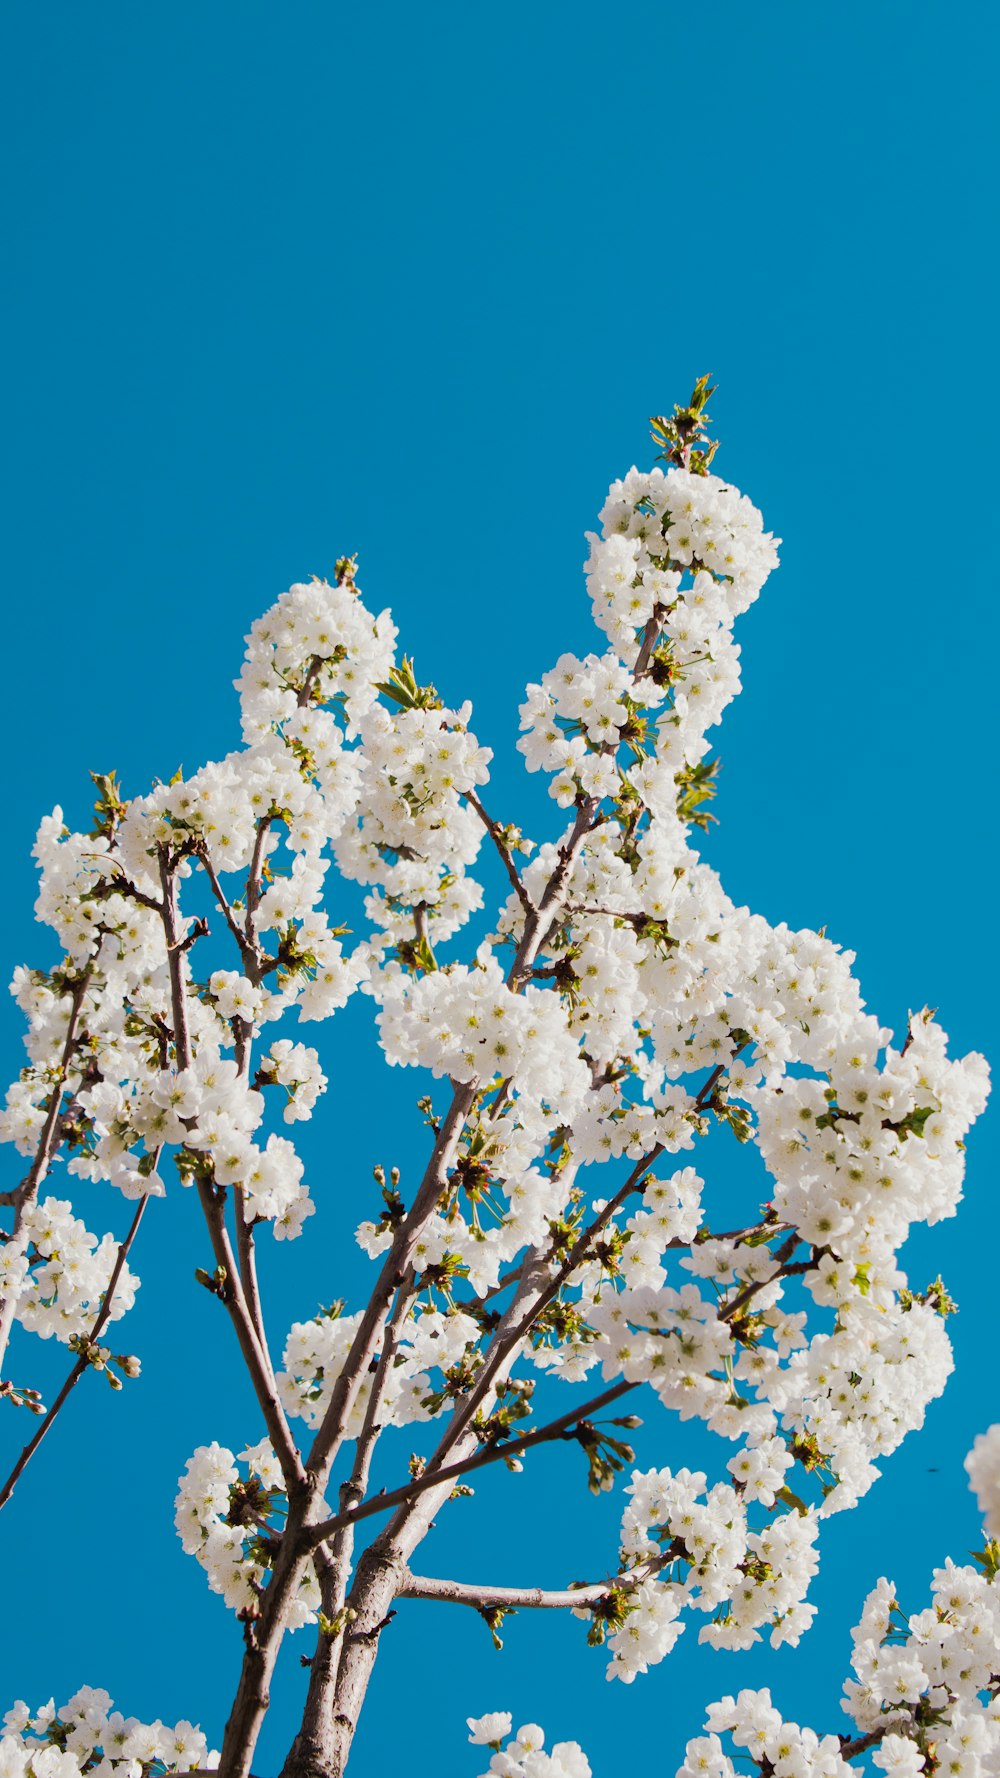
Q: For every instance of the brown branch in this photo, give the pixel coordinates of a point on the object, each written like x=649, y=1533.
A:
x=488, y=1598
x=512, y=1447
x=331, y=1432
x=251, y=1700
x=253, y=880
x=247, y=1259
x=334, y=1570
x=539, y=923
x=495, y=832
x=123, y=885
x=246, y=950
x=507, y=1338
x=82, y=1364
x=255, y=1357
x=212, y=1200
x=648, y=643
x=246, y=1254
x=307, y=687
x=625, y=914
x=784, y=1270
x=850, y=1749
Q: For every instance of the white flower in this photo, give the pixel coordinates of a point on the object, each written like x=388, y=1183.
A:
x=484, y=1731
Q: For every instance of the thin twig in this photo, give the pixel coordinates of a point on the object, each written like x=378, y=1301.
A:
x=212, y=1200
x=784, y=1270
x=495, y=832
x=82, y=1364
x=512, y=1447
x=223, y=901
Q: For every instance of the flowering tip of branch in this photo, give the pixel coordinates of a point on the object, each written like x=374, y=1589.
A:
x=679, y=434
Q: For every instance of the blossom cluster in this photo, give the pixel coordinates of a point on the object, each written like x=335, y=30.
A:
x=59, y=1272
x=415, y=839
x=692, y=1546
x=87, y=1735
x=925, y=1696
x=228, y=1522
x=680, y=556
x=524, y=1755
x=924, y=1699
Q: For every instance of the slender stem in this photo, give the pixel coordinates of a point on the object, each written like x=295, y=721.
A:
x=331, y=1432
x=312, y=674
x=850, y=1749
x=82, y=1364
x=257, y=1361
x=630, y=918
x=121, y=884
x=562, y=1428
x=783, y=1270
x=516, y=1325
x=212, y=1200
x=490, y=1598
x=495, y=832
x=246, y=950
x=244, y=1033
x=247, y=1257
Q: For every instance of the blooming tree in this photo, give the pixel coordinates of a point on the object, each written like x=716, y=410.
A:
x=560, y=1256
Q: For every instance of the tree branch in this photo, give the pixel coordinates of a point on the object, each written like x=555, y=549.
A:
x=212, y=1200
x=82, y=1364
x=247, y=951
x=490, y=1598
x=513, y=1327
x=784, y=1270
x=495, y=832
x=648, y=643
x=253, y=881
x=850, y=1749
x=380, y=1571
x=325, y=1664
x=563, y=1428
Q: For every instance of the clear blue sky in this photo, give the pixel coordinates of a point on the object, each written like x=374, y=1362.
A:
x=288, y=282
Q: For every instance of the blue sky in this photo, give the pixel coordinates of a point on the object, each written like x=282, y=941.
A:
x=287, y=284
